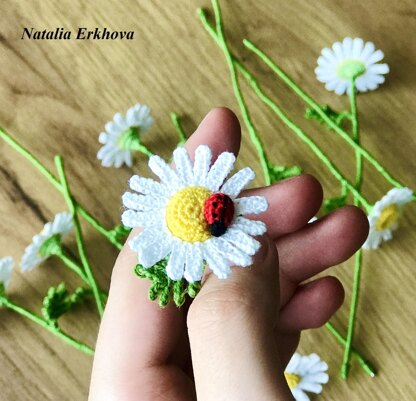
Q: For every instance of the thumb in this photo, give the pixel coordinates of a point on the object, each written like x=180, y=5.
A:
x=232, y=326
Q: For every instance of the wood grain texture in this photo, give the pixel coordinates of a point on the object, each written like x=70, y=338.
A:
x=57, y=95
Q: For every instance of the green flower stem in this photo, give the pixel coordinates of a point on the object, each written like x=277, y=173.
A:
x=358, y=256
x=72, y=265
x=55, y=182
x=315, y=106
x=4, y=301
x=254, y=136
x=276, y=109
x=363, y=363
x=174, y=117
x=139, y=147
x=78, y=235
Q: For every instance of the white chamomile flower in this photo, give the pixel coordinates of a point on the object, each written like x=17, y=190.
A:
x=351, y=59
x=306, y=373
x=6, y=267
x=384, y=216
x=193, y=216
x=122, y=134
x=43, y=243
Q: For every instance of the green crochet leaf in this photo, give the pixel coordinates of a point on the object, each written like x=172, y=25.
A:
x=278, y=173
x=334, y=203
x=58, y=301
x=163, y=288
x=120, y=232
x=336, y=117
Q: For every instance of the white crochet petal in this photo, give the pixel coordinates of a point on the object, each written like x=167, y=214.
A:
x=183, y=166
x=194, y=263
x=367, y=51
x=234, y=185
x=202, y=163
x=146, y=238
x=166, y=174
x=112, y=129
x=317, y=377
x=216, y=262
x=120, y=122
x=142, y=203
x=233, y=254
x=310, y=386
x=293, y=363
x=176, y=264
x=357, y=47
x=155, y=253
x=347, y=47
x=220, y=170
x=251, y=205
x=375, y=57
x=241, y=241
x=146, y=186
x=133, y=219
x=6, y=268
x=299, y=394
x=250, y=227
x=103, y=138
x=378, y=69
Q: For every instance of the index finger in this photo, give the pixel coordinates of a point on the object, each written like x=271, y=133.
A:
x=136, y=333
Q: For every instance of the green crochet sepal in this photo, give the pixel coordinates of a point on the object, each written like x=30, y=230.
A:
x=58, y=301
x=165, y=289
x=334, y=203
x=278, y=173
x=337, y=117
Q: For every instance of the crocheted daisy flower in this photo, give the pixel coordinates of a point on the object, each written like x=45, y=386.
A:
x=384, y=216
x=193, y=216
x=6, y=267
x=351, y=59
x=44, y=243
x=306, y=373
x=122, y=134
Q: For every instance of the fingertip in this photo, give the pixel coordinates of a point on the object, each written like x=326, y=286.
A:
x=220, y=130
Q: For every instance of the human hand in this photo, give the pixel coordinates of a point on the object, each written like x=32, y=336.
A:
x=236, y=337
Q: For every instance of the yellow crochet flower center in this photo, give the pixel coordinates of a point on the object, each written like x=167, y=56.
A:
x=388, y=217
x=292, y=380
x=185, y=214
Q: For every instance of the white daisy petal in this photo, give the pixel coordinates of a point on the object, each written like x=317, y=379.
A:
x=202, y=162
x=166, y=174
x=378, y=69
x=216, y=262
x=142, y=203
x=310, y=386
x=234, y=185
x=6, y=268
x=251, y=227
x=133, y=219
x=176, y=264
x=183, y=166
x=220, y=170
x=146, y=186
x=145, y=239
x=357, y=47
x=242, y=241
x=194, y=264
x=300, y=395
x=155, y=253
x=251, y=205
x=234, y=255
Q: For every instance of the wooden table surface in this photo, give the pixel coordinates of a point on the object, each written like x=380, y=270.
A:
x=57, y=95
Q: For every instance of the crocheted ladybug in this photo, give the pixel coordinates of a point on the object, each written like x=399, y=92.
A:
x=219, y=213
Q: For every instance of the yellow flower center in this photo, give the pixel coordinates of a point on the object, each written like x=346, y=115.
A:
x=388, y=217
x=185, y=214
x=292, y=380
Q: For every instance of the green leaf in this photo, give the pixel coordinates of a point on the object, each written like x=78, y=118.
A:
x=334, y=203
x=163, y=288
x=278, y=173
x=121, y=232
x=58, y=301
x=336, y=117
